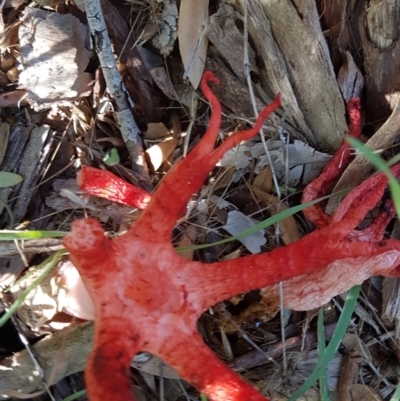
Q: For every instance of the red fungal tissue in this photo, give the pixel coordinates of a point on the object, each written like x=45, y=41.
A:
x=104, y=184
x=148, y=298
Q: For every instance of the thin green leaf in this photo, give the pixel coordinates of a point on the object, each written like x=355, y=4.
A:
x=112, y=157
x=9, y=179
x=48, y=266
x=10, y=235
x=264, y=224
x=381, y=165
x=333, y=345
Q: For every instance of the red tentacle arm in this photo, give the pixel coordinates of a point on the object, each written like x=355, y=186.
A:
x=319, y=186
x=104, y=184
x=188, y=175
x=198, y=365
x=107, y=373
x=306, y=257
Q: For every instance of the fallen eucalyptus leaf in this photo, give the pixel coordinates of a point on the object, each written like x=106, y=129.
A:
x=9, y=179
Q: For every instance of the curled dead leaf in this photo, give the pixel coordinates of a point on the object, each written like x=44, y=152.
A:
x=157, y=154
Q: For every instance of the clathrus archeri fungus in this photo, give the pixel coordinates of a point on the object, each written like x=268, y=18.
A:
x=148, y=298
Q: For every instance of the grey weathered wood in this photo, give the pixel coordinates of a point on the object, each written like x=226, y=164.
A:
x=296, y=62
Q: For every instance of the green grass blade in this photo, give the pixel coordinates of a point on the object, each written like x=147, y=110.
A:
x=264, y=224
x=74, y=396
x=381, y=165
x=11, y=235
x=396, y=394
x=333, y=345
x=323, y=382
x=9, y=211
x=49, y=265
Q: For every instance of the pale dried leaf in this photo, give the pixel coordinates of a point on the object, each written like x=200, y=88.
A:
x=237, y=223
x=157, y=154
x=77, y=301
x=303, y=162
x=193, y=15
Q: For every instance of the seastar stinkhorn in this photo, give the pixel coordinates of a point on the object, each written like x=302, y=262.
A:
x=148, y=298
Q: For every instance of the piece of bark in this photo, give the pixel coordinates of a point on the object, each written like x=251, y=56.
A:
x=127, y=124
x=228, y=40
x=43, y=245
x=149, y=101
x=296, y=58
x=14, y=98
x=233, y=94
x=379, y=29
x=273, y=74
x=27, y=154
x=339, y=20
x=53, y=50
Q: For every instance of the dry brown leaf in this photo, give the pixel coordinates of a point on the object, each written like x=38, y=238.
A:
x=156, y=131
x=13, y=74
x=263, y=181
x=224, y=178
x=288, y=226
x=4, y=136
x=115, y=141
x=9, y=35
x=48, y=3
x=187, y=239
x=157, y=154
x=193, y=15
x=363, y=392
